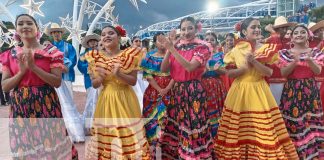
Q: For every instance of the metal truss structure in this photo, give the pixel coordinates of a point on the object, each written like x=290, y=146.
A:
x=222, y=20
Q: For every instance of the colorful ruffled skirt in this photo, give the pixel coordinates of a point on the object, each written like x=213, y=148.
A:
x=154, y=108
x=251, y=126
x=187, y=130
x=118, y=129
x=216, y=94
x=301, y=108
x=36, y=125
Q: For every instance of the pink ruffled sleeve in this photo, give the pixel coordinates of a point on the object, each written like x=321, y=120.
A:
x=318, y=57
x=5, y=61
x=284, y=58
x=202, y=54
x=55, y=55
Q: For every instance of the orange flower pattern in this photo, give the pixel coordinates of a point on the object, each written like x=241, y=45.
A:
x=186, y=122
x=34, y=123
x=299, y=105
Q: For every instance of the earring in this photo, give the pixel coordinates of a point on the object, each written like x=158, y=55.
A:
x=307, y=43
x=291, y=45
x=38, y=35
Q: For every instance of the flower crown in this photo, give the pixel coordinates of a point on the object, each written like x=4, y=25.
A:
x=121, y=30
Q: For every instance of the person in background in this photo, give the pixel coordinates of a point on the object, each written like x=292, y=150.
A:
x=65, y=91
x=156, y=95
x=278, y=37
x=288, y=33
x=4, y=96
x=213, y=84
x=317, y=40
x=90, y=42
x=229, y=41
x=141, y=85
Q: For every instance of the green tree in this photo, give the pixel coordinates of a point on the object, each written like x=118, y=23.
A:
x=317, y=14
x=264, y=22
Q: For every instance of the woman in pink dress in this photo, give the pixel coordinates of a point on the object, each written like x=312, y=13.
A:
x=300, y=100
x=36, y=126
x=187, y=131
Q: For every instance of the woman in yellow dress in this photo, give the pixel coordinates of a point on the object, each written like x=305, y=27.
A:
x=251, y=126
x=118, y=131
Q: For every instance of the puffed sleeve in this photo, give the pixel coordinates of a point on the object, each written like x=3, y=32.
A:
x=202, y=54
x=5, y=61
x=130, y=59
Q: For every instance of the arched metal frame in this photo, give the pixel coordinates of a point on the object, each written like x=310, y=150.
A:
x=222, y=20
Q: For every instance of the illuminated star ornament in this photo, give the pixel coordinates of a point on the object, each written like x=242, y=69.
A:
x=90, y=10
x=108, y=13
x=134, y=2
x=67, y=21
x=10, y=2
x=42, y=26
x=2, y=24
x=75, y=33
x=33, y=7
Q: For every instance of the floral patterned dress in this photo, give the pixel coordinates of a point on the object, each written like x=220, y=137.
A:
x=216, y=91
x=154, y=105
x=301, y=106
x=36, y=126
x=187, y=131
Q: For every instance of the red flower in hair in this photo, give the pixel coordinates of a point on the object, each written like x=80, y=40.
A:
x=199, y=26
x=237, y=26
x=121, y=31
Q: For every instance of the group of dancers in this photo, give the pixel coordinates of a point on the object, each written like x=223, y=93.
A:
x=246, y=98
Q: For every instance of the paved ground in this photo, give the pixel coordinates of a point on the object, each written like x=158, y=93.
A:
x=79, y=98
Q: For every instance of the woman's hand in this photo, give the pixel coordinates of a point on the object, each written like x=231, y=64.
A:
x=166, y=42
x=102, y=72
x=29, y=58
x=116, y=68
x=250, y=58
x=22, y=63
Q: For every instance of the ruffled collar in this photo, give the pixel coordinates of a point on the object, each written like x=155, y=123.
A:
x=182, y=42
x=288, y=55
x=46, y=51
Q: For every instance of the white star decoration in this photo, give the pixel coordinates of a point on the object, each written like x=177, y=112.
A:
x=1, y=37
x=67, y=21
x=33, y=7
x=42, y=26
x=90, y=10
x=10, y=2
x=115, y=19
x=108, y=13
x=134, y=2
x=75, y=33
x=2, y=24
x=7, y=38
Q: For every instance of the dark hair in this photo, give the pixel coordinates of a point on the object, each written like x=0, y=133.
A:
x=245, y=24
x=112, y=27
x=190, y=19
x=299, y=25
x=230, y=35
x=155, y=36
x=31, y=17
x=135, y=37
x=212, y=34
